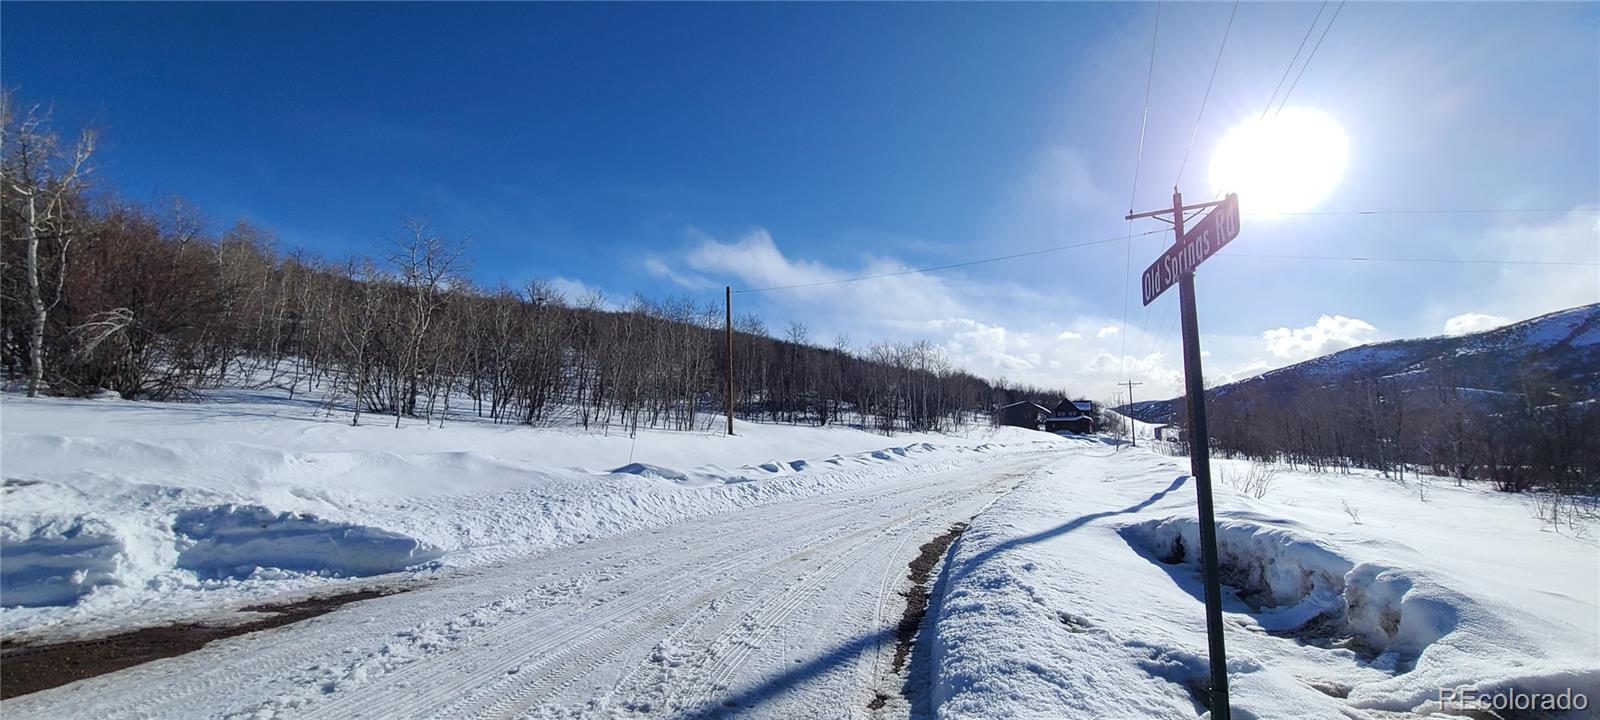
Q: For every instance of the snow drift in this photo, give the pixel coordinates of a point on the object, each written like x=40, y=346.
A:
x=1299, y=586
x=235, y=541
x=57, y=562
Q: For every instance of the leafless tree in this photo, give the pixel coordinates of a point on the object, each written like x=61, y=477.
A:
x=47, y=182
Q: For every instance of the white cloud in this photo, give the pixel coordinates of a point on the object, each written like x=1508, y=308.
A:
x=1329, y=334
x=755, y=261
x=1525, y=291
x=985, y=344
x=576, y=291
x=1471, y=322
x=659, y=268
x=996, y=329
x=1162, y=378
x=1060, y=180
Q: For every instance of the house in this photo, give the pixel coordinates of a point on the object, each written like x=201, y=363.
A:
x=1072, y=416
x=1024, y=414
x=1170, y=433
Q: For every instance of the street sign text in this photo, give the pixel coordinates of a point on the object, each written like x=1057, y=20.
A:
x=1211, y=234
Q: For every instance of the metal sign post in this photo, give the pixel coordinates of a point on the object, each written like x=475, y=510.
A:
x=1177, y=264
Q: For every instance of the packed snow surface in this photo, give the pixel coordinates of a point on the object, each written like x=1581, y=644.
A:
x=120, y=513
x=772, y=594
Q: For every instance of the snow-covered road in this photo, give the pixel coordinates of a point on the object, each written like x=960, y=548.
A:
x=774, y=611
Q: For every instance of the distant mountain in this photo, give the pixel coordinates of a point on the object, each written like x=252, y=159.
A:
x=1561, y=348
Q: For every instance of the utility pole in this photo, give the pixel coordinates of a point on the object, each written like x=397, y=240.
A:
x=727, y=309
x=1178, y=264
x=1200, y=468
x=1133, y=432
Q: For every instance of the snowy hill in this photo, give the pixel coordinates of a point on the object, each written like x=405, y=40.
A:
x=1561, y=348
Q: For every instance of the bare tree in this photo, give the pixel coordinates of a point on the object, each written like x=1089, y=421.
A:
x=47, y=181
x=425, y=264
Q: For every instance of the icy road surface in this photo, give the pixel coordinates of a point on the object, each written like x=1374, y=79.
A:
x=774, y=611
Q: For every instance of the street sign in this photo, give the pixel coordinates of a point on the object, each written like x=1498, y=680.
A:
x=1211, y=234
x=1177, y=265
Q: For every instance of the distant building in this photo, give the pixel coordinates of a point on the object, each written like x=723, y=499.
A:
x=1170, y=433
x=1071, y=416
x=1024, y=414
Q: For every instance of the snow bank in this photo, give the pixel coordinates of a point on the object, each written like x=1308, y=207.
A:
x=1269, y=566
x=236, y=541
x=1293, y=582
x=1079, y=595
x=58, y=561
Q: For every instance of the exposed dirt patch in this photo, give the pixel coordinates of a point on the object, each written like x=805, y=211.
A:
x=31, y=668
x=921, y=567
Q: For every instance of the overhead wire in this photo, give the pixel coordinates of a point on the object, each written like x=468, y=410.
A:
x=1436, y=260
x=1310, y=56
x=1290, y=67
x=1207, y=97
x=1451, y=211
x=1138, y=161
x=951, y=266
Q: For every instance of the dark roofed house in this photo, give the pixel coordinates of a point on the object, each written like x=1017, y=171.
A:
x=1071, y=416
x=1024, y=414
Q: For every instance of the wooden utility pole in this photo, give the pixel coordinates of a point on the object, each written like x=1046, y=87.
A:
x=1200, y=468
x=1178, y=264
x=727, y=309
x=1133, y=432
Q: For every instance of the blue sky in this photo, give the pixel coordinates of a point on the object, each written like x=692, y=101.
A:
x=665, y=149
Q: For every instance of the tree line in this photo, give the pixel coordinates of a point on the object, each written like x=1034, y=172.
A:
x=1541, y=437
x=97, y=293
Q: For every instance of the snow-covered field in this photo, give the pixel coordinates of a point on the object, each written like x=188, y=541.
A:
x=1079, y=595
x=559, y=573
x=121, y=513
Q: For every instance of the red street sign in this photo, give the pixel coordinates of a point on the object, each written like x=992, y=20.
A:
x=1211, y=234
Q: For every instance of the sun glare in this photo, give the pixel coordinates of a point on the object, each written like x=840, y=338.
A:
x=1281, y=163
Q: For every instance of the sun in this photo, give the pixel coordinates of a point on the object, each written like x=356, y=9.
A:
x=1281, y=163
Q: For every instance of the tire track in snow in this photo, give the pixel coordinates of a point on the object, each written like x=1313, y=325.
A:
x=562, y=674
x=590, y=626
x=593, y=610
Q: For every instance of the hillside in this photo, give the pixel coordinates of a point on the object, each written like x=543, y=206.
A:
x=1561, y=349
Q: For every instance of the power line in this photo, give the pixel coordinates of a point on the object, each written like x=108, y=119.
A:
x=1207, y=96
x=1144, y=119
x=1292, y=60
x=951, y=266
x=1484, y=211
x=1104, y=241
x=1156, y=340
x=1310, y=56
x=1466, y=261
